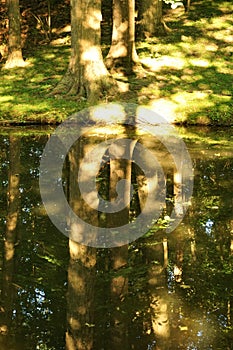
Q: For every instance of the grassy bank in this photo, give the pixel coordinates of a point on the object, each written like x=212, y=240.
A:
x=187, y=78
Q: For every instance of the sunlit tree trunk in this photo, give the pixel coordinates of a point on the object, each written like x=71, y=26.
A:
x=15, y=57
x=122, y=52
x=87, y=75
x=150, y=18
x=11, y=237
x=82, y=268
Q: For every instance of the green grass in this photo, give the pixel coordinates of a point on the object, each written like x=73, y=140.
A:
x=193, y=65
x=24, y=92
x=187, y=79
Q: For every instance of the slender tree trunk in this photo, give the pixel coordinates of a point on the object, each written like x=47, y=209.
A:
x=87, y=75
x=15, y=57
x=122, y=52
x=187, y=5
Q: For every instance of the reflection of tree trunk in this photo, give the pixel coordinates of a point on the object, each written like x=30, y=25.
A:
x=119, y=290
x=11, y=233
x=80, y=297
x=178, y=267
x=178, y=193
x=159, y=295
x=119, y=169
x=81, y=271
x=231, y=245
x=193, y=243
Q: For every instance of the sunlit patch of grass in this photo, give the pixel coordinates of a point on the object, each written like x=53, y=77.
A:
x=193, y=66
x=24, y=92
x=189, y=73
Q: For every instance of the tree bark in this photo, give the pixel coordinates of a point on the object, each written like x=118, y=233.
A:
x=150, y=18
x=15, y=57
x=87, y=75
x=122, y=52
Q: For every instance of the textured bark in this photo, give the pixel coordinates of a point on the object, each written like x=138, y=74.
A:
x=150, y=18
x=122, y=51
x=15, y=57
x=87, y=75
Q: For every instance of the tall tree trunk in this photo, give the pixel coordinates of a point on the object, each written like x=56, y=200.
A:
x=87, y=75
x=15, y=57
x=150, y=18
x=122, y=52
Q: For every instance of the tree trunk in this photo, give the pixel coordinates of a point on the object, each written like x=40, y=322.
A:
x=15, y=57
x=87, y=75
x=150, y=18
x=122, y=52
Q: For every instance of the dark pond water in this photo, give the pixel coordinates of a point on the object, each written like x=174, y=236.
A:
x=162, y=291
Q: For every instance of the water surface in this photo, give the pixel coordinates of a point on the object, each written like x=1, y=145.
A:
x=163, y=291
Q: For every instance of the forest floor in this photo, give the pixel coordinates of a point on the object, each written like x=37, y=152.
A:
x=187, y=75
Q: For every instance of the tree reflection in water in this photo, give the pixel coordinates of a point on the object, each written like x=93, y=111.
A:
x=163, y=291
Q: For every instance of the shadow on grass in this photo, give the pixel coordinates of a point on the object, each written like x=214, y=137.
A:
x=192, y=69
x=24, y=91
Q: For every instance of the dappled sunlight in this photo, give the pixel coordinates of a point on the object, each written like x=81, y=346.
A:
x=108, y=113
x=223, y=35
x=166, y=108
x=65, y=29
x=198, y=62
x=94, y=20
x=193, y=80
x=156, y=64
x=6, y=98
x=89, y=55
